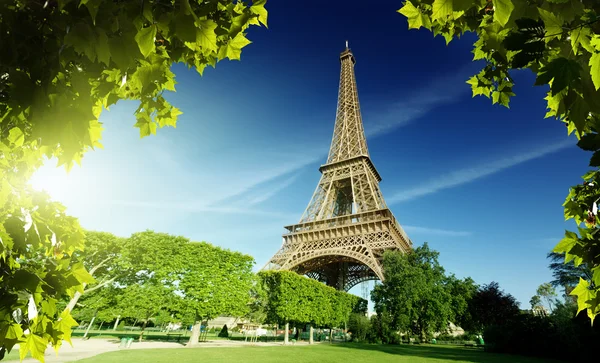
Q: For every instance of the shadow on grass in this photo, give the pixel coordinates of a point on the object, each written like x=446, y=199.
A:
x=443, y=352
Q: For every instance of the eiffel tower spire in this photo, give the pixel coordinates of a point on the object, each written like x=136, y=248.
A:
x=348, y=135
x=346, y=226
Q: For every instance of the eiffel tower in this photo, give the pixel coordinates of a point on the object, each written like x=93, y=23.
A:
x=347, y=226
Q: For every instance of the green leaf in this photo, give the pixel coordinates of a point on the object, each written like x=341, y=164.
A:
x=595, y=159
x=258, y=8
x=16, y=136
x=478, y=87
x=503, y=94
x=121, y=54
x=233, y=48
x=580, y=36
x=145, y=124
x=566, y=244
x=92, y=6
x=595, y=69
x=589, y=142
x=561, y=71
x=64, y=325
x=415, y=17
x=553, y=24
x=81, y=274
x=34, y=344
x=502, y=10
x=206, y=36
x=441, y=9
x=583, y=294
x=14, y=332
x=102, y=48
x=145, y=39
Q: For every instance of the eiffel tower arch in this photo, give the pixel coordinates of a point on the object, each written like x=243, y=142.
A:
x=346, y=227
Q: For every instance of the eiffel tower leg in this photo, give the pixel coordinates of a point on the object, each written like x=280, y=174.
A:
x=342, y=276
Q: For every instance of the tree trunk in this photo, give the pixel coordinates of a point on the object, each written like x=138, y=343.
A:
x=142, y=332
x=310, y=337
x=73, y=302
x=286, y=334
x=331, y=335
x=89, y=326
x=117, y=322
x=195, y=334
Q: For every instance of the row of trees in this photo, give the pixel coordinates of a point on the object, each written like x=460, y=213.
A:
x=154, y=274
x=417, y=298
x=162, y=278
x=291, y=298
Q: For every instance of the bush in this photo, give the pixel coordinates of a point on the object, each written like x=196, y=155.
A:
x=548, y=337
x=121, y=325
x=381, y=331
x=224, y=333
x=358, y=325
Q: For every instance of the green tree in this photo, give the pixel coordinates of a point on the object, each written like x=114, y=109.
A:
x=143, y=302
x=490, y=306
x=62, y=63
x=567, y=275
x=214, y=282
x=358, y=326
x=257, y=309
x=414, y=292
x=297, y=299
x=100, y=257
x=535, y=301
x=559, y=40
x=547, y=292
x=224, y=333
x=461, y=292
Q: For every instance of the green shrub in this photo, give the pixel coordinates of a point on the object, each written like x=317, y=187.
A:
x=224, y=333
x=358, y=325
x=121, y=325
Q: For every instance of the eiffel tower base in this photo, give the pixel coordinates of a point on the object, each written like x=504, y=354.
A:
x=343, y=251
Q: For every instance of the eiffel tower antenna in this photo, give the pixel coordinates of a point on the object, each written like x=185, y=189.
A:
x=346, y=227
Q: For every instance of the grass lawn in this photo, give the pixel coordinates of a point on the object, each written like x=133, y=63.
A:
x=346, y=352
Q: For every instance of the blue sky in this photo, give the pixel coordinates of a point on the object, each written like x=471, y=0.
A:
x=481, y=183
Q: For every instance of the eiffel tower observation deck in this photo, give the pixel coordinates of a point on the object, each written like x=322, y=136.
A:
x=343, y=233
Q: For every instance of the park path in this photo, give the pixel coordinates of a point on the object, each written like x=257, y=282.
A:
x=88, y=348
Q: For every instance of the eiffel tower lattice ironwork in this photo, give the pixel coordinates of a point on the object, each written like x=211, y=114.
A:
x=347, y=226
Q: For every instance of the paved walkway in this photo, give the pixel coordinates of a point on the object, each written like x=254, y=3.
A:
x=88, y=348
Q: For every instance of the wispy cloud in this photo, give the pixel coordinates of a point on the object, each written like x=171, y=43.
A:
x=193, y=207
x=268, y=194
x=435, y=231
x=443, y=90
x=471, y=174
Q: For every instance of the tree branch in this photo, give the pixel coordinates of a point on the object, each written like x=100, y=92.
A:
x=100, y=265
x=101, y=285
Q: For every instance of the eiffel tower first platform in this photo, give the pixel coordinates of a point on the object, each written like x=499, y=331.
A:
x=347, y=226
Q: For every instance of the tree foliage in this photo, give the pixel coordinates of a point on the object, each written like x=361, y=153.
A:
x=547, y=292
x=102, y=257
x=535, y=302
x=418, y=295
x=566, y=275
x=298, y=299
x=559, y=40
x=62, y=63
x=215, y=281
x=489, y=306
x=164, y=274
